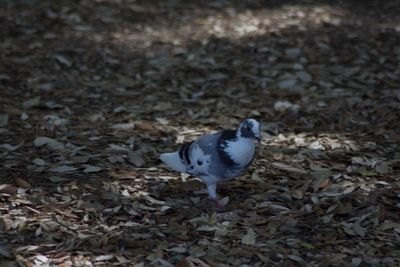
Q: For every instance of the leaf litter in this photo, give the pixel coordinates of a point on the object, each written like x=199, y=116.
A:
x=90, y=98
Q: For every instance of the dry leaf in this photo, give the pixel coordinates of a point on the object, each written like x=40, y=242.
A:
x=34, y=102
x=22, y=183
x=249, y=238
x=8, y=189
x=285, y=167
x=49, y=142
x=123, y=126
x=5, y=252
x=92, y=169
x=136, y=159
x=63, y=168
x=191, y=262
x=3, y=120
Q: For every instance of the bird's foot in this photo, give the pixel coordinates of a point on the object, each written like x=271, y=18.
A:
x=218, y=204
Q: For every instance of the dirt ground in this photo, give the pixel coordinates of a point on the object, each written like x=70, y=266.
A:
x=92, y=91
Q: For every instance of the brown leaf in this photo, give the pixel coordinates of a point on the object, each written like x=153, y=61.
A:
x=192, y=262
x=344, y=208
x=5, y=252
x=66, y=214
x=145, y=126
x=22, y=183
x=123, y=174
x=6, y=224
x=285, y=167
x=249, y=238
x=298, y=194
x=358, y=229
x=136, y=159
x=8, y=189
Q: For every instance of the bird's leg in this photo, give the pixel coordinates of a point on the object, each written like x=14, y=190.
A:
x=212, y=192
x=218, y=204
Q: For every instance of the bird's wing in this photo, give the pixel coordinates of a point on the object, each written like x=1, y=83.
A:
x=209, y=157
x=205, y=156
x=202, y=154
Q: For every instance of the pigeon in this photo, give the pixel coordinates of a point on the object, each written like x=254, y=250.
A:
x=217, y=157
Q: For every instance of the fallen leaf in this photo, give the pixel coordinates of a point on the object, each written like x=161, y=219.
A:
x=387, y=225
x=40, y=259
x=8, y=189
x=3, y=120
x=358, y=229
x=6, y=224
x=364, y=172
x=191, y=262
x=39, y=162
x=62, y=60
x=33, y=102
x=287, y=84
x=316, y=145
x=285, y=167
x=344, y=208
x=57, y=179
x=5, y=252
x=282, y=106
x=321, y=182
x=304, y=76
x=22, y=183
x=123, y=126
x=49, y=142
x=136, y=159
x=145, y=126
x=64, y=168
x=297, y=194
x=92, y=169
x=11, y=147
x=224, y=201
x=383, y=168
x=104, y=257
x=249, y=238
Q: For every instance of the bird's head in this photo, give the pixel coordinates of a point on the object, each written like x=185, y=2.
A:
x=250, y=128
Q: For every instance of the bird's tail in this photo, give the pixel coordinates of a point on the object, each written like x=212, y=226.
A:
x=173, y=161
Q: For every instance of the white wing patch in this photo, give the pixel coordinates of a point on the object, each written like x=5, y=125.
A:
x=241, y=150
x=199, y=161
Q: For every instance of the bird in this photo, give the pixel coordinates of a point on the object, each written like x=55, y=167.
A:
x=217, y=157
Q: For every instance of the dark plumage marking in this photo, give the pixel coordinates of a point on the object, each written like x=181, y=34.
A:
x=247, y=129
x=227, y=135
x=181, y=151
x=184, y=152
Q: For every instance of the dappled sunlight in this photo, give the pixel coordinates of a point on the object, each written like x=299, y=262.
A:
x=233, y=24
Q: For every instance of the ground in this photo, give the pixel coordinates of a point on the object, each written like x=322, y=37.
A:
x=92, y=91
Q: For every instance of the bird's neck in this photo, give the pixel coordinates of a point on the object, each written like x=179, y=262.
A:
x=239, y=136
x=241, y=150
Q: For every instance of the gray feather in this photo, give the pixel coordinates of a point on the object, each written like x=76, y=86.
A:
x=217, y=157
